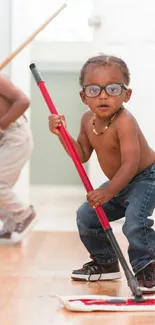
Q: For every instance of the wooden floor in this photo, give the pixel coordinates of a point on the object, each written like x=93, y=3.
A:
x=31, y=273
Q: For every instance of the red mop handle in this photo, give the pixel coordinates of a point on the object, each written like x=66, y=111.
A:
x=41, y=84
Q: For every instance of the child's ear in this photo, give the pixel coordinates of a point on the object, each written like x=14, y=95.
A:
x=128, y=94
x=83, y=97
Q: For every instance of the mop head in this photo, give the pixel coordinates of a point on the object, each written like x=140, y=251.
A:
x=106, y=303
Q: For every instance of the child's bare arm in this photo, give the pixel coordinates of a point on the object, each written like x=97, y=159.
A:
x=18, y=101
x=83, y=142
x=81, y=145
x=130, y=153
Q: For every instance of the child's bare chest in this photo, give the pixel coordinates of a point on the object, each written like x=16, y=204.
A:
x=105, y=143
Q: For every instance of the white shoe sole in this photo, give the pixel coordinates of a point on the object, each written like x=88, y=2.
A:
x=96, y=277
x=147, y=290
x=17, y=238
x=5, y=241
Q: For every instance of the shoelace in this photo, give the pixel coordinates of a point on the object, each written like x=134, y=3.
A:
x=88, y=264
x=92, y=267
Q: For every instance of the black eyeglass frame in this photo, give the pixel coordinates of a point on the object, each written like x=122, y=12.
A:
x=123, y=86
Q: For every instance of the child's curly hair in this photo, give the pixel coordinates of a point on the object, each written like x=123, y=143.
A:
x=106, y=60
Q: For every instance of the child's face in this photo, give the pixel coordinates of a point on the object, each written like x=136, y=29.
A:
x=104, y=105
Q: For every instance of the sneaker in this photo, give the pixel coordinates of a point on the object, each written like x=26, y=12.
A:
x=146, y=278
x=5, y=237
x=7, y=224
x=92, y=271
x=22, y=228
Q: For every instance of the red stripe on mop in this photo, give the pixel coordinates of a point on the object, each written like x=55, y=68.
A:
x=115, y=302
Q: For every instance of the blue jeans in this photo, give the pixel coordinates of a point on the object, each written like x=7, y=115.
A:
x=136, y=203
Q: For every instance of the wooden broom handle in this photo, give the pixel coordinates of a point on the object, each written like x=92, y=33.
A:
x=31, y=37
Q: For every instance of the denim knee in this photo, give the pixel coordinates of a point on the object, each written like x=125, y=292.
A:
x=129, y=228
x=86, y=218
x=136, y=226
x=82, y=215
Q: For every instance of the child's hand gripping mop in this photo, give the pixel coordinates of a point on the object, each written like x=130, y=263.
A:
x=90, y=303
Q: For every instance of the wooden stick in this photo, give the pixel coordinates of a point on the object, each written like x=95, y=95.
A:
x=31, y=37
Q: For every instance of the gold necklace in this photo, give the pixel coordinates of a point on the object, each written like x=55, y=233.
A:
x=105, y=128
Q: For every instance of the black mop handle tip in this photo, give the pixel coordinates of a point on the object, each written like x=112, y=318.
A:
x=35, y=73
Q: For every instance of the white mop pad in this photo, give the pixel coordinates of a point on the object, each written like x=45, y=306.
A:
x=106, y=303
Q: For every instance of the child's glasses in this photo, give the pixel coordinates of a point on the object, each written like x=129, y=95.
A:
x=113, y=89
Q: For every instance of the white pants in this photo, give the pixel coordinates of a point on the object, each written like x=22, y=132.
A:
x=16, y=146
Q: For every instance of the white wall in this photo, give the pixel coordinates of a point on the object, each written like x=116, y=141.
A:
x=60, y=55
x=5, y=26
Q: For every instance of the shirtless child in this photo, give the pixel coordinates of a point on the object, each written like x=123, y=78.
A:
x=16, y=145
x=129, y=163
